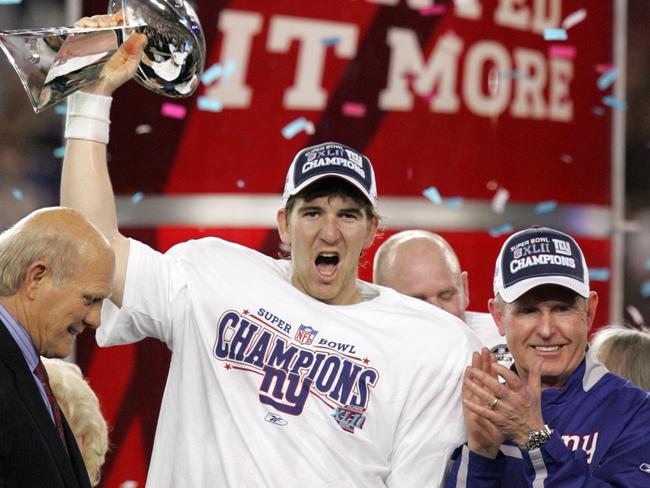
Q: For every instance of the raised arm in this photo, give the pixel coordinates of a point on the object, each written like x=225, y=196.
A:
x=85, y=182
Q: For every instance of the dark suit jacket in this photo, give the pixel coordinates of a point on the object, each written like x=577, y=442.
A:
x=31, y=452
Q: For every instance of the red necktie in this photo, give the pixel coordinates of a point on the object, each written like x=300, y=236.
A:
x=43, y=377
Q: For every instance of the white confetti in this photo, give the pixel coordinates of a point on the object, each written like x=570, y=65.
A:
x=574, y=18
x=499, y=200
x=494, y=79
x=634, y=313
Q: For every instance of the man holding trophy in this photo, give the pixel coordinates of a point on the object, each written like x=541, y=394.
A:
x=251, y=399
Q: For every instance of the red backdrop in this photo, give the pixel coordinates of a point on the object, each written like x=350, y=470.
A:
x=481, y=117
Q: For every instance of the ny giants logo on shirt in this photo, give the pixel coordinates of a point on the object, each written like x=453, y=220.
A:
x=290, y=373
x=585, y=442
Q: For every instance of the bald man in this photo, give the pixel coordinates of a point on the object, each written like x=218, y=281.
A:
x=423, y=265
x=55, y=270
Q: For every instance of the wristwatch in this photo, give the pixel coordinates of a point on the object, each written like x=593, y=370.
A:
x=537, y=438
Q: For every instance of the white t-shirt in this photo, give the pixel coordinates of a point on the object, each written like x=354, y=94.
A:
x=486, y=329
x=269, y=387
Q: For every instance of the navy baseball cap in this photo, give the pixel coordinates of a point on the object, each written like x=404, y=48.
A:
x=539, y=256
x=330, y=159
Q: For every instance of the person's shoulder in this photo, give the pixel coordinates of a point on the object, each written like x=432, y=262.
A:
x=204, y=243
x=214, y=247
x=628, y=395
x=484, y=326
x=410, y=315
x=480, y=320
x=631, y=403
x=391, y=300
x=604, y=384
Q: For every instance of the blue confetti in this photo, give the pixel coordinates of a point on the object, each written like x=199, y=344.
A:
x=209, y=104
x=545, y=207
x=137, y=197
x=500, y=230
x=60, y=109
x=599, y=274
x=453, y=202
x=59, y=152
x=217, y=71
x=433, y=195
x=645, y=289
x=211, y=74
x=293, y=127
x=330, y=41
x=607, y=78
x=555, y=35
x=615, y=103
x=17, y=194
x=513, y=74
x=229, y=69
x=598, y=111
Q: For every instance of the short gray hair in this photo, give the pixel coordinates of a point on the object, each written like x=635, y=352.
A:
x=22, y=245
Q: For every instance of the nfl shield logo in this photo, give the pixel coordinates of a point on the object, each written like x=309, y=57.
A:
x=305, y=334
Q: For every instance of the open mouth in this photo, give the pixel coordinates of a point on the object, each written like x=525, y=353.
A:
x=327, y=263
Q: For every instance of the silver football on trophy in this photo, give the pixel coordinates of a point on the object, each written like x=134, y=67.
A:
x=53, y=63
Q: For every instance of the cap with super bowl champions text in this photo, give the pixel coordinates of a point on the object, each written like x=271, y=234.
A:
x=330, y=159
x=539, y=256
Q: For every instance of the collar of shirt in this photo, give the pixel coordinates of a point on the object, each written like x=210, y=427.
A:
x=21, y=337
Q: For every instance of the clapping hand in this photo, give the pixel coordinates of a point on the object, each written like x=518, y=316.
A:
x=483, y=437
x=513, y=408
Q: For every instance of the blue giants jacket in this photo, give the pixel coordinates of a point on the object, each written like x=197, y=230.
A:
x=601, y=438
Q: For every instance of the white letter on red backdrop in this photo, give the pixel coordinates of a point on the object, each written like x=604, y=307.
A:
x=490, y=104
x=406, y=62
x=238, y=30
x=530, y=80
x=307, y=91
x=560, y=104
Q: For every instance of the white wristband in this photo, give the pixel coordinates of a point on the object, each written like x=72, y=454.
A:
x=88, y=117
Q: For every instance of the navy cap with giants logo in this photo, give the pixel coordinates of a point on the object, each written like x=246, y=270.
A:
x=330, y=159
x=539, y=256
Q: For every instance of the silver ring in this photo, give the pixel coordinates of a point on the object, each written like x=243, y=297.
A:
x=493, y=403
